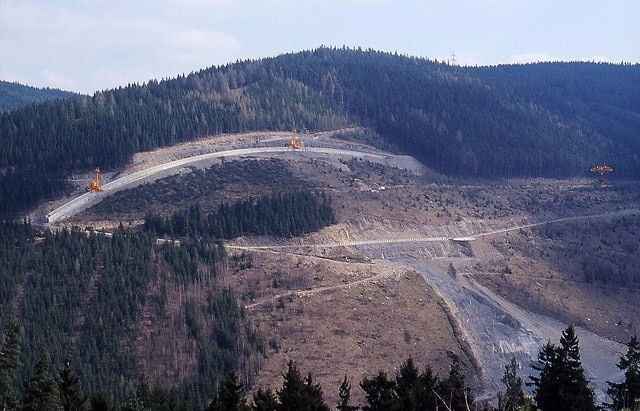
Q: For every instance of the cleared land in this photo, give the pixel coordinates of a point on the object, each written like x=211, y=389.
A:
x=387, y=281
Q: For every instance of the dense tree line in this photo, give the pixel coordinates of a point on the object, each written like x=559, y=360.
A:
x=16, y=241
x=284, y=214
x=14, y=95
x=80, y=297
x=560, y=385
x=527, y=120
x=42, y=144
x=50, y=357
x=551, y=119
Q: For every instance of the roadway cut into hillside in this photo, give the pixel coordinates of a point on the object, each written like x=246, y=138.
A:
x=393, y=239
x=495, y=328
x=86, y=200
x=148, y=167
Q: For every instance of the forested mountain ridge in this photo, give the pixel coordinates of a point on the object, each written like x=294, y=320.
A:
x=15, y=95
x=97, y=296
x=547, y=119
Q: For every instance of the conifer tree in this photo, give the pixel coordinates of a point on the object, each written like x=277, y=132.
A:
x=344, y=393
x=291, y=396
x=513, y=398
x=627, y=393
x=314, y=394
x=298, y=394
x=230, y=396
x=41, y=391
x=380, y=393
x=546, y=384
x=9, y=364
x=264, y=400
x=406, y=383
x=429, y=382
x=415, y=390
x=575, y=385
x=453, y=391
x=562, y=383
x=71, y=394
x=411, y=390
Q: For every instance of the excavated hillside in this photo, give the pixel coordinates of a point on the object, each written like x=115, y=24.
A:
x=417, y=264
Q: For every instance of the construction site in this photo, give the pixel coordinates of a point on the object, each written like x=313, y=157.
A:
x=416, y=265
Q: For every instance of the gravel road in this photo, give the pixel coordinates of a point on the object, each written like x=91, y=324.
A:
x=495, y=328
x=155, y=172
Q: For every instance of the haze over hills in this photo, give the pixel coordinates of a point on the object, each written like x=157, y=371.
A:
x=440, y=212
x=14, y=95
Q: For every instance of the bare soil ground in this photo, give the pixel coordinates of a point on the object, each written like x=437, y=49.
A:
x=354, y=310
x=345, y=318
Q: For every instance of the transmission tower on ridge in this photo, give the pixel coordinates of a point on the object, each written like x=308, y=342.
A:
x=452, y=60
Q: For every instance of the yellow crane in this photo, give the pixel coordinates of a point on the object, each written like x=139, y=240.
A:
x=94, y=185
x=293, y=143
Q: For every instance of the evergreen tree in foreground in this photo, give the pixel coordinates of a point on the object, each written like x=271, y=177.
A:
x=416, y=391
x=344, y=393
x=627, y=393
x=9, y=364
x=412, y=390
x=41, y=391
x=513, y=398
x=575, y=385
x=299, y=394
x=562, y=384
x=546, y=384
x=380, y=393
x=70, y=392
x=264, y=400
x=230, y=396
x=454, y=392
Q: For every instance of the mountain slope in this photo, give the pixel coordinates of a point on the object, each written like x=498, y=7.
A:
x=494, y=122
x=14, y=95
x=528, y=120
x=383, y=283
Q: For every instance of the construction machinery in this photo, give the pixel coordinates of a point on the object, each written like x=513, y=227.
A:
x=293, y=143
x=602, y=170
x=94, y=185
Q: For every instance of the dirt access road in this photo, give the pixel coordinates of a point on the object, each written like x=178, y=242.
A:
x=495, y=328
x=148, y=171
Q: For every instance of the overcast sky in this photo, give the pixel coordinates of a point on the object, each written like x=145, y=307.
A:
x=91, y=45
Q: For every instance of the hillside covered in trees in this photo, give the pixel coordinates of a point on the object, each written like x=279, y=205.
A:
x=91, y=293
x=547, y=119
x=14, y=95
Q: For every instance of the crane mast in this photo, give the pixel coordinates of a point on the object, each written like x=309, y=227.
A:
x=94, y=185
x=293, y=143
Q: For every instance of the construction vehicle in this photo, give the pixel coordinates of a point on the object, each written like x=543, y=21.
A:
x=293, y=143
x=602, y=170
x=94, y=185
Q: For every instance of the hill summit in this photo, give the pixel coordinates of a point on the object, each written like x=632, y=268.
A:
x=547, y=120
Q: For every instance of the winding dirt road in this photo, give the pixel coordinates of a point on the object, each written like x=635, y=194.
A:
x=87, y=200
x=497, y=329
